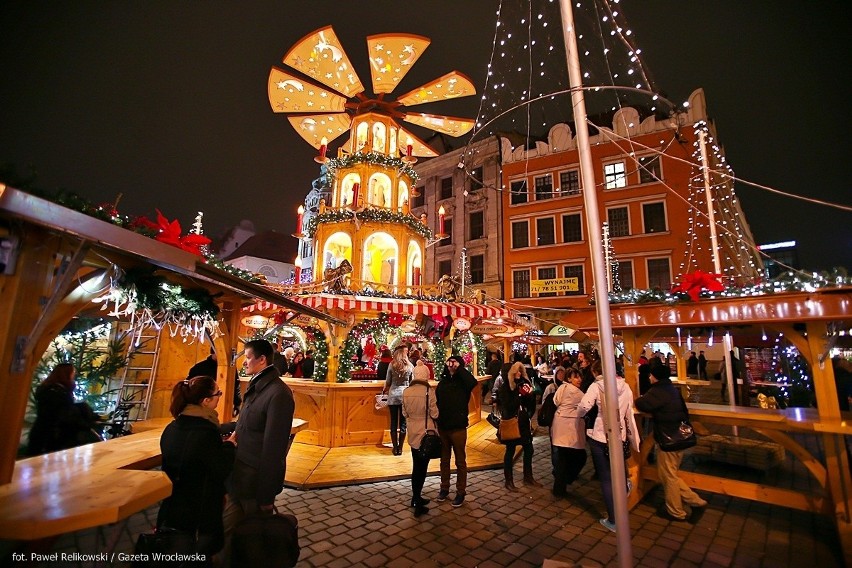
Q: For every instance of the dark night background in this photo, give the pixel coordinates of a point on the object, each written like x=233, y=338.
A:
x=165, y=102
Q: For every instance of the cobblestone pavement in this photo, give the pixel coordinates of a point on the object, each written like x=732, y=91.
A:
x=371, y=525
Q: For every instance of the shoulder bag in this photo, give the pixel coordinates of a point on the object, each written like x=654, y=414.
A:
x=431, y=445
x=680, y=439
x=266, y=540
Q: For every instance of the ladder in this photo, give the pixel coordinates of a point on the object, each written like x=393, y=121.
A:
x=143, y=353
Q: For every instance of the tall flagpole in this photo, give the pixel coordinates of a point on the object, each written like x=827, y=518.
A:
x=607, y=347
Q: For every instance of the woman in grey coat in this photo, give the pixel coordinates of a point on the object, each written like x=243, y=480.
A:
x=398, y=377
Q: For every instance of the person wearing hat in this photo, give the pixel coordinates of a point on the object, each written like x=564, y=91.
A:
x=453, y=394
x=665, y=404
x=397, y=378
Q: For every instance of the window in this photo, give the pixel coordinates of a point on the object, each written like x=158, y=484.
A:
x=445, y=267
x=477, y=225
x=659, y=275
x=625, y=274
x=446, y=188
x=546, y=274
x=448, y=229
x=418, y=200
x=520, y=283
x=575, y=271
x=477, y=269
x=615, y=176
x=544, y=187
x=569, y=182
x=649, y=169
x=654, y=215
x=572, y=230
x=519, y=192
x=619, y=222
x=476, y=179
x=545, y=233
x=520, y=234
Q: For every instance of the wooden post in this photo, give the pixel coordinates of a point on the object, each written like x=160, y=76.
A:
x=226, y=346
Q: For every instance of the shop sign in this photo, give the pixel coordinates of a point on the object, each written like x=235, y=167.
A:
x=552, y=285
x=489, y=328
x=561, y=330
x=302, y=319
x=511, y=333
x=461, y=324
x=256, y=322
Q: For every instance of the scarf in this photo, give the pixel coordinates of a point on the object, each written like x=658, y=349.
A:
x=199, y=411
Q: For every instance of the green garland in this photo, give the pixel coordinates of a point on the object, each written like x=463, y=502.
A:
x=375, y=215
x=316, y=338
x=155, y=293
x=788, y=282
x=373, y=158
x=233, y=270
x=379, y=326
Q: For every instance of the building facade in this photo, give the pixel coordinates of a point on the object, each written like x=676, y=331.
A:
x=651, y=195
x=472, y=215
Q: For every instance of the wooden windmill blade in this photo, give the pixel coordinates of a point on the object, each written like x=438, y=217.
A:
x=320, y=56
x=450, y=125
x=392, y=56
x=453, y=85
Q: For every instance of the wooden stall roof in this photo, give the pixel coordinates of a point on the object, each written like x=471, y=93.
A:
x=117, y=243
x=831, y=304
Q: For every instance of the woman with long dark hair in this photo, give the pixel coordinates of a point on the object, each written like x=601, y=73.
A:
x=60, y=422
x=197, y=461
x=398, y=377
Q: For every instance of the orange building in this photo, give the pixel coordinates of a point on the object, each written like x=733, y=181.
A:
x=651, y=195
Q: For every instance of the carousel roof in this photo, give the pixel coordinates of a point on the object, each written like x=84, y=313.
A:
x=403, y=306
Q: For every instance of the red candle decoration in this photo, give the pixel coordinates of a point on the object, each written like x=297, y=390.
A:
x=355, y=188
x=416, y=276
x=323, y=147
x=298, y=263
x=301, y=212
x=441, y=220
x=409, y=147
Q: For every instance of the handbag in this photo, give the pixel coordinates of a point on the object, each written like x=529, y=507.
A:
x=381, y=401
x=492, y=417
x=164, y=541
x=625, y=444
x=590, y=417
x=266, y=540
x=680, y=439
x=509, y=430
x=431, y=445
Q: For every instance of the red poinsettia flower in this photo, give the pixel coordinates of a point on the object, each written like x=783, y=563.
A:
x=697, y=281
x=169, y=232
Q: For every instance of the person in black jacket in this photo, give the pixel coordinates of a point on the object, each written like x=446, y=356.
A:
x=517, y=400
x=665, y=404
x=308, y=364
x=197, y=461
x=61, y=423
x=453, y=395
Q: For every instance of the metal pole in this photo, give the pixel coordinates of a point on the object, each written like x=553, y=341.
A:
x=607, y=350
x=607, y=257
x=717, y=265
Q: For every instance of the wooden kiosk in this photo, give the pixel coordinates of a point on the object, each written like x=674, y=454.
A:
x=60, y=262
x=808, y=320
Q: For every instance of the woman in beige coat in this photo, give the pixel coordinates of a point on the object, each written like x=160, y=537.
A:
x=419, y=420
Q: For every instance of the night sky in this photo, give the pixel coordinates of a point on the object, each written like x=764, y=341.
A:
x=165, y=102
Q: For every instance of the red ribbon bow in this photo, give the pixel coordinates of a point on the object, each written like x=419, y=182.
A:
x=697, y=281
x=169, y=232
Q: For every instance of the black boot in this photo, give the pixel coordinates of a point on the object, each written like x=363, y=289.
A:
x=510, y=482
x=394, y=441
x=401, y=441
x=420, y=507
x=528, y=478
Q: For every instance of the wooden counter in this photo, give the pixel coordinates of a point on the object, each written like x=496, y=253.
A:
x=344, y=414
x=87, y=486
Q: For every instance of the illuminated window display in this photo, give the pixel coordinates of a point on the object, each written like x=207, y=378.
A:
x=379, y=137
x=380, y=190
x=337, y=248
x=415, y=265
x=381, y=254
x=347, y=193
x=403, y=193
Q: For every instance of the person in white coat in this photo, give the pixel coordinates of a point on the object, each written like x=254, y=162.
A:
x=597, y=435
x=568, y=434
x=419, y=419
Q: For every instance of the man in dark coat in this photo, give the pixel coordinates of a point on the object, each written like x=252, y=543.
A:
x=308, y=364
x=263, y=437
x=453, y=396
x=209, y=368
x=665, y=404
x=702, y=366
x=692, y=365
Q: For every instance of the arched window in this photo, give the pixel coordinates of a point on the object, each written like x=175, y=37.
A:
x=347, y=194
x=403, y=193
x=380, y=191
x=381, y=255
x=415, y=264
x=379, y=137
x=361, y=133
x=392, y=139
x=337, y=248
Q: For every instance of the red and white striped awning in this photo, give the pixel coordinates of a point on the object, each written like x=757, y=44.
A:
x=392, y=305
